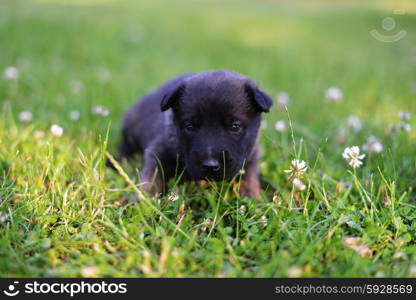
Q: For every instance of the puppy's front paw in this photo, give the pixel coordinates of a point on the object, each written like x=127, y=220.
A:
x=152, y=188
x=135, y=198
x=250, y=189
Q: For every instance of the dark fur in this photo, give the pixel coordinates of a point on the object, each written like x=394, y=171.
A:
x=189, y=124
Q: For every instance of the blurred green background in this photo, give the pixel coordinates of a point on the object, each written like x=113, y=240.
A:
x=301, y=47
x=61, y=211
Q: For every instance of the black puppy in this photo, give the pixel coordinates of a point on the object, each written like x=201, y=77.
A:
x=204, y=124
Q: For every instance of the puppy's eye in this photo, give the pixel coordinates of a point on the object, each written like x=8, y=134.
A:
x=235, y=127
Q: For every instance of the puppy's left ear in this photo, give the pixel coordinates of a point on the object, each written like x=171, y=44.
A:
x=172, y=97
x=262, y=101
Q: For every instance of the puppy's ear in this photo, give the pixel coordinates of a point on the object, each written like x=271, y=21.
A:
x=171, y=97
x=260, y=99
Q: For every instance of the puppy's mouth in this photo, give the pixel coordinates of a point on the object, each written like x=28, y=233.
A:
x=214, y=176
x=207, y=177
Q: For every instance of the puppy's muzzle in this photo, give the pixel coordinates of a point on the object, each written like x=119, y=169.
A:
x=211, y=166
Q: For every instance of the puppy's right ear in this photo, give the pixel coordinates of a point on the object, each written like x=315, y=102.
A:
x=172, y=97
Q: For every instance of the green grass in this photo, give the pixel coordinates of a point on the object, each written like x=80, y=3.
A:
x=62, y=213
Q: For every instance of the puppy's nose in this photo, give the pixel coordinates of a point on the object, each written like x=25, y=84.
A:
x=211, y=165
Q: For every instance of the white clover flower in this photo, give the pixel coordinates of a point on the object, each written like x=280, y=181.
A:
x=298, y=184
x=100, y=111
x=57, y=130
x=173, y=197
x=175, y=253
x=297, y=169
x=11, y=73
x=404, y=116
x=89, y=271
x=75, y=86
x=280, y=126
x=283, y=99
x=373, y=145
x=353, y=157
x=294, y=272
x=25, y=116
x=74, y=115
x=333, y=94
x=243, y=210
x=354, y=123
x=3, y=217
x=276, y=199
x=206, y=224
x=392, y=129
x=263, y=221
x=405, y=126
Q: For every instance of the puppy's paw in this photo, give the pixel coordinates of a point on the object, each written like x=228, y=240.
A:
x=135, y=197
x=250, y=193
x=250, y=189
x=151, y=188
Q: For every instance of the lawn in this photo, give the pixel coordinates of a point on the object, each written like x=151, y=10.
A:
x=81, y=64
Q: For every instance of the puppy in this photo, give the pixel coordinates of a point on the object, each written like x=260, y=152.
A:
x=203, y=126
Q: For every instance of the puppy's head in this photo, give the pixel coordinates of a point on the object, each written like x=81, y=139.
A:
x=217, y=116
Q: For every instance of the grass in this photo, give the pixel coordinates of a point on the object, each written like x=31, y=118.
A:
x=62, y=213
